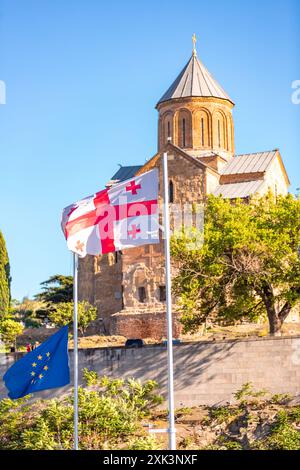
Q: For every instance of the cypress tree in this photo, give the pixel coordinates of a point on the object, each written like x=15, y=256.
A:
x=4, y=278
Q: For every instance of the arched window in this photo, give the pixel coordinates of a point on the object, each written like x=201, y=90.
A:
x=166, y=129
x=220, y=139
x=183, y=133
x=171, y=192
x=202, y=132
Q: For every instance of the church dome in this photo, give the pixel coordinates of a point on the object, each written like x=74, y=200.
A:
x=194, y=81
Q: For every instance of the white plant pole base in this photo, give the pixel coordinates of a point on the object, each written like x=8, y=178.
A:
x=75, y=341
x=171, y=430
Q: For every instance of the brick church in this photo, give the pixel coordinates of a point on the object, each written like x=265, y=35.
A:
x=195, y=127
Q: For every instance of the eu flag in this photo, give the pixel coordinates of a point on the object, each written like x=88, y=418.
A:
x=45, y=367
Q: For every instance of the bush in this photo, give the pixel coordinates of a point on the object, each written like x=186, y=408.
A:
x=110, y=415
x=10, y=330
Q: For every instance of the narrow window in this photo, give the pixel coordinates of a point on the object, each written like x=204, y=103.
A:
x=169, y=130
x=219, y=133
x=142, y=294
x=162, y=293
x=183, y=132
x=123, y=304
x=171, y=192
x=202, y=131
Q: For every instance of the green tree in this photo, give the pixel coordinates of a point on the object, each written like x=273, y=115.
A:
x=62, y=314
x=5, y=278
x=10, y=330
x=56, y=289
x=248, y=265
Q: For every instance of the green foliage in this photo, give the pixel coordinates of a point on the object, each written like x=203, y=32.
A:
x=5, y=278
x=27, y=312
x=110, y=415
x=229, y=444
x=283, y=435
x=280, y=398
x=223, y=414
x=259, y=421
x=247, y=393
x=248, y=265
x=62, y=314
x=56, y=289
x=144, y=443
x=10, y=330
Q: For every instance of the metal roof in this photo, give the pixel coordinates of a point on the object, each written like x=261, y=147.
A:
x=249, y=163
x=194, y=80
x=126, y=172
x=239, y=190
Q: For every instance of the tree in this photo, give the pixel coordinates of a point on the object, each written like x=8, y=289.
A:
x=56, y=289
x=10, y=330
x=62, y=314
x=5, y=278
x=248, y=265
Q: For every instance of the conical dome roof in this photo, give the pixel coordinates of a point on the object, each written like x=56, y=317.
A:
x=194, y=80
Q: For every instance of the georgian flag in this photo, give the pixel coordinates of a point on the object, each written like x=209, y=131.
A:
x=124, y=216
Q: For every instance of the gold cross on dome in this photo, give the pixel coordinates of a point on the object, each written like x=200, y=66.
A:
x=194, y=39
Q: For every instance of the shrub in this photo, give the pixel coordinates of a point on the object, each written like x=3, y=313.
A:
x=110, y=414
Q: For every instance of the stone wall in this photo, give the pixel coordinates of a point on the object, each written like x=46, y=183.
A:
x=133, y=324
x=206, y=373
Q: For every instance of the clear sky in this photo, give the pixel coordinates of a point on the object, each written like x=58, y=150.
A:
x=82, y=79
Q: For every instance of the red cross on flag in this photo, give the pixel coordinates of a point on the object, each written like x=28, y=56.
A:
x=124, y=216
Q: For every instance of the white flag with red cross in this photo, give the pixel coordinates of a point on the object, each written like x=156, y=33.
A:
x=123, y=216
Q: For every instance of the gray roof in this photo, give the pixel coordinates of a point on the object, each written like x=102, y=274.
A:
x=249, y=163
x=194, y=80
x=126, y=172
x=239, y=190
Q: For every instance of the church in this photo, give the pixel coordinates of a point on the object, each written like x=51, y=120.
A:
x=196, y=129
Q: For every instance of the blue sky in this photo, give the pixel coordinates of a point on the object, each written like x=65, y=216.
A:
x=82, y=79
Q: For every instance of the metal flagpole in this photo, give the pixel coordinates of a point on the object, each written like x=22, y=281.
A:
x=75, y=340
x=171, y=430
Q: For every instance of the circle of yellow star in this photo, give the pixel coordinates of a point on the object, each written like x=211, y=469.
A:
x=46, y=368
x=47, y=354
x=32, y=373
x=41, y=376
x=33, y=364
x=40, y=357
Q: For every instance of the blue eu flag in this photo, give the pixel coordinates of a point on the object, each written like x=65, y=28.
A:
x=45, y=367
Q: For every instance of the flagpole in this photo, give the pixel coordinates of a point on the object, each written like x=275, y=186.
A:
x=171, y=430
x=75, y=340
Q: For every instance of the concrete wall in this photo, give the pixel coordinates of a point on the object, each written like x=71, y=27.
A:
x=205, y=373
